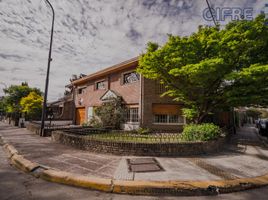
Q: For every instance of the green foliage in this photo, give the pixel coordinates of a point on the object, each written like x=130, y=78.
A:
x=2, y=107
x=213, y=68
x=143, y=131
x=257, y=113
x=254, y=113
x=95, y=122
x=32, y=105
x=111, y=113
x=189, y=113
x=14, y=94
x=200, y=132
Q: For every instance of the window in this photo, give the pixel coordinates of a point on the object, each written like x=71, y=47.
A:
x=160, y=88
x=132, y=115
x=168, y=119
x=130, y=77
x=167, y=114
x=100, y=85
x=81, y=90
x=90, y=113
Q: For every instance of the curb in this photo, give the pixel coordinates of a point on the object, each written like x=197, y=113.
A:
x=189, y=188
x=23, y=164
x=77, y=180
x=171, y=188
x=10, y=149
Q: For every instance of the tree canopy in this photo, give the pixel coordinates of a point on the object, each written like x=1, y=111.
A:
x=32, y=105
x=213, y=67
x=13, y=97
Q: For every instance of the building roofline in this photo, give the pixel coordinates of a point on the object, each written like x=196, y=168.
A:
x=109, y=70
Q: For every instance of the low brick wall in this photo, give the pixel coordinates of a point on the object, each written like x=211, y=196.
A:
x=138, y=149
x=35, y=128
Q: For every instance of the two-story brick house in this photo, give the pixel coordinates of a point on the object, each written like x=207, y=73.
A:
x=141, y=96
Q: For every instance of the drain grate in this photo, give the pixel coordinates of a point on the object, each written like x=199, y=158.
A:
x=144, y=165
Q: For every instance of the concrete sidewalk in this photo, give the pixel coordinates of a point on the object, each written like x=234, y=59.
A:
x=244, y=157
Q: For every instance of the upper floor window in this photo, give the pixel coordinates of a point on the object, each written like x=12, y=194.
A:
x=81, y=90
x=160, y=88
x=100, y=85
x=130, y=77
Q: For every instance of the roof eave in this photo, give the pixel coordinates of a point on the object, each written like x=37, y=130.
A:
x=106, y=71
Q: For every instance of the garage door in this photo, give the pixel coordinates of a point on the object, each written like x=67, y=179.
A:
x=80, y=116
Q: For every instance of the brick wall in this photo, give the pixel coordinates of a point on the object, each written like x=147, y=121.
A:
x=91, y=96
x=149, y=97
x=138, y=149
x=132, y=95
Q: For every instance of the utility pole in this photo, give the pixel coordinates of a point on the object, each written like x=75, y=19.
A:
x=44, y=109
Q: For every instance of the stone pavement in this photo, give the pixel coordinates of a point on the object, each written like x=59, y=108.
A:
x=244, y=157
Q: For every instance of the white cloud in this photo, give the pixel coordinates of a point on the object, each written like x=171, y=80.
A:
x=89, y=35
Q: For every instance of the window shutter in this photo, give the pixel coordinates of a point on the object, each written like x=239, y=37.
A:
x=164, y=109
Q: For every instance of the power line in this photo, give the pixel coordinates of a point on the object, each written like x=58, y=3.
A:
x=210, y=10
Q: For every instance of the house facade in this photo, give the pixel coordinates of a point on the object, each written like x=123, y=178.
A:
x=142, y=98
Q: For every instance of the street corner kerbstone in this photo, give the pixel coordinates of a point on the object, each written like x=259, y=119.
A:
x=11, y=150
x=23, y=164
x=77, y=180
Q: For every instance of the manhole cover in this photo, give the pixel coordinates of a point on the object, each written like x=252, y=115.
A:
x=144, y=165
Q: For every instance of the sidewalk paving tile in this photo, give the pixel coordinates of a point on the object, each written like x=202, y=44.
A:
x=247, y=159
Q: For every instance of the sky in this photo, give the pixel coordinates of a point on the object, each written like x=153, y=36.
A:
x=91, y=35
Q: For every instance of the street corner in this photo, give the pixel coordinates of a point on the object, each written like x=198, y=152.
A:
x=171, y=188
x=77, y=180
x=23, y=164
x=188, y=188
x=11, y=151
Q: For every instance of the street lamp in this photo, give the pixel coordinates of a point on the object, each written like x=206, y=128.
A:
x=48, y=69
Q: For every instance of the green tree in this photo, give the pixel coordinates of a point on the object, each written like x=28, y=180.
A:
x=32, y=105
x=111, y=113
x=2, y=106
x=254, y=113
x=213, y=67
x=14, y=94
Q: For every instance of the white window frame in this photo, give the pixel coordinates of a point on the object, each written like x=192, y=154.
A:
x=168, y=123
x=82, y=89
x=131, y=116
x=100, y=81
x=129, y=72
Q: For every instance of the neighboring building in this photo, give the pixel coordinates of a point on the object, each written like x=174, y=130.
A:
x=63, y=108
x=141, y=96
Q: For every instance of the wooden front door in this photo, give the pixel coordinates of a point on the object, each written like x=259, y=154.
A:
x=80, y=116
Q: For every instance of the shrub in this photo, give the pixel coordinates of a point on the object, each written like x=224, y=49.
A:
x=200, y=132
x=95, y=123
x=111, y=113
x=85, y=124
x=143, y=131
